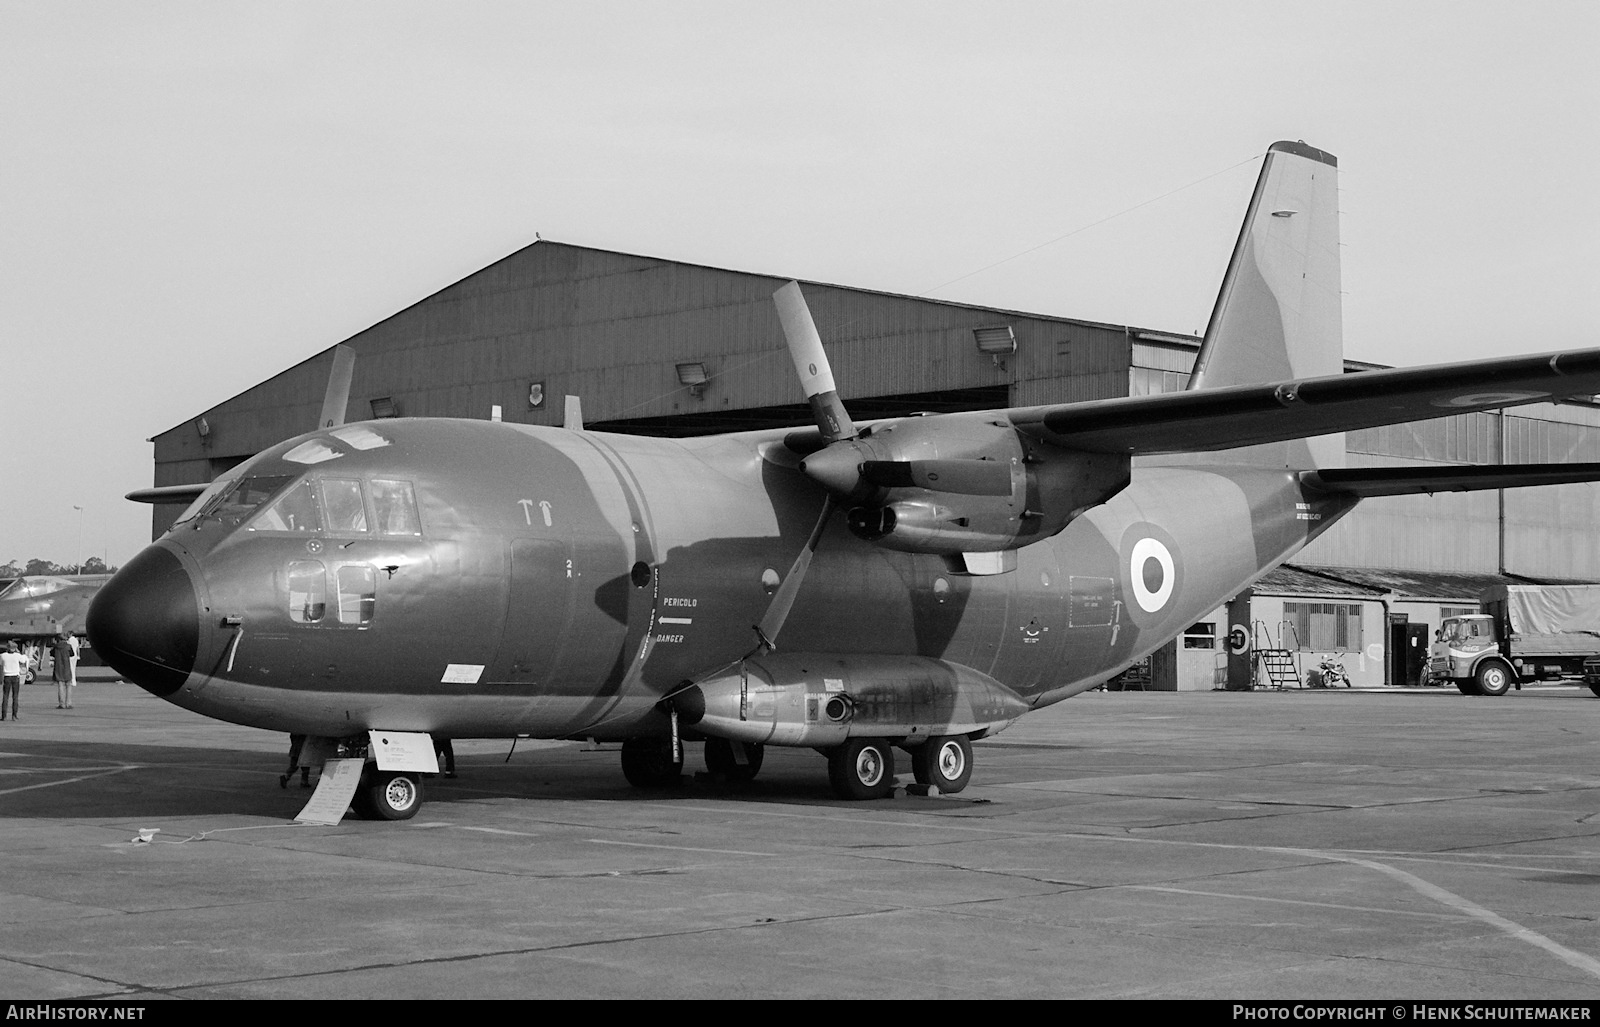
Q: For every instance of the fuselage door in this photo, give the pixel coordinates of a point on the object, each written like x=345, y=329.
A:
x=539, y=612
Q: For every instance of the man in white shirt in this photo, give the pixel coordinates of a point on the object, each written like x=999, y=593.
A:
x=13, y=665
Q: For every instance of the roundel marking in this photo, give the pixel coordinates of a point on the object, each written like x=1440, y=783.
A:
x=1479, y=399
x=1152, y=574
x=1238, y=639
x=812, y=368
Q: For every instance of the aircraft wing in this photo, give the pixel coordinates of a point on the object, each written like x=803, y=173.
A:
x=169, y=493
x=1402, y=481
x=1245, y=415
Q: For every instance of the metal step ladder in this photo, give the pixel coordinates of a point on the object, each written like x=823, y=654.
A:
x=1280, y=666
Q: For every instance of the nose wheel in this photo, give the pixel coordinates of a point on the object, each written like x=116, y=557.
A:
x=387, y=795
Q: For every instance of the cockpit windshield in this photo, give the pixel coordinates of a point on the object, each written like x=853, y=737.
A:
x=237, y=499
x=34, y=586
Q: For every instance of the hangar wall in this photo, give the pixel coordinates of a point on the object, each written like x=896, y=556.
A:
x=554, y=319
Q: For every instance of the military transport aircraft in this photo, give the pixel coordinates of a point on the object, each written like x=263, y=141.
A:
x=945, y=574
x=38, y=606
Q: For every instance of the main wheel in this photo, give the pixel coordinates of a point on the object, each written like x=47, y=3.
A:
x=1493, y=678
x=944, y=762
x=723, y=758
x=862, y=768
x=388, y=795
x=648, y=762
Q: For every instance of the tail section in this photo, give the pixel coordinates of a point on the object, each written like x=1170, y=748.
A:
x=1277, y=315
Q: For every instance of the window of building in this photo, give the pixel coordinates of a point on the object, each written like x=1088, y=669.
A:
x=1446, y=612
x=1200, y=636
x=1325, y=627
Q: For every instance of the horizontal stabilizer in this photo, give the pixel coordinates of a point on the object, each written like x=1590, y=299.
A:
x=169, y=493
x=1245, y=415
x=1403, y=481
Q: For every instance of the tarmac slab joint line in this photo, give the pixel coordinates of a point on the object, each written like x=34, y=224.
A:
x=1588, y=964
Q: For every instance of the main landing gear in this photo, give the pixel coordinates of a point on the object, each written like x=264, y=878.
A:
x=863, y=768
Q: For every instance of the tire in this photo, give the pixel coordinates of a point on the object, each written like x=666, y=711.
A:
x=862, y=768
x=1492, y=678
x=648, y=763
x=1467, y=686
x=943, y=762
x=390, y=795
x=1594, y=686
x=721, y=759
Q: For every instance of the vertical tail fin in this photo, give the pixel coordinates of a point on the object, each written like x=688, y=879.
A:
x=1278, y=312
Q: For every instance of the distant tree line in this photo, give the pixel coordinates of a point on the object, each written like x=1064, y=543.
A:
x=93, y=565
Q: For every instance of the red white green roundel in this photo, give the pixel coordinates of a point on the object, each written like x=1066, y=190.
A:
x=1151, y=571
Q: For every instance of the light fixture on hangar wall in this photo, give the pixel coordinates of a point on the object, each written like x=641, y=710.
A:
x=995, y=340
x=203, y=427
x=693, y=376
x=384, y=406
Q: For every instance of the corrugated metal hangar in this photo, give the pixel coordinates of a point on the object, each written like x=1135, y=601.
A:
x=665, y=347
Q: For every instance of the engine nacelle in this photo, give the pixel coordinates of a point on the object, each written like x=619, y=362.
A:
x=961, y=483
x=820, y=699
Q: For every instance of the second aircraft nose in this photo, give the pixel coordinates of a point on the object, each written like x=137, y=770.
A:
x=145, y=622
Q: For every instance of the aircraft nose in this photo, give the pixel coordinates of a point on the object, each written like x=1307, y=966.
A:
x=145, y=622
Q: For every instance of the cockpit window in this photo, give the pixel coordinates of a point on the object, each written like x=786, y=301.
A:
x=237, y=499
x=297, y=509
x=342, y=506
x=33, y=587
x=394, y=504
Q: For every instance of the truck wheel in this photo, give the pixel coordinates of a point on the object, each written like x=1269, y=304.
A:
x=1493, y=678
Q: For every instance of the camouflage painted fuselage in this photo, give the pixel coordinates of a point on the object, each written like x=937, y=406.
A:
x=564, y=581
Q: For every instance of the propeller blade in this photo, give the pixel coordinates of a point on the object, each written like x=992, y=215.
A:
x=811, y=363
x=337, y=397
x=783, y=598
x=962, y=477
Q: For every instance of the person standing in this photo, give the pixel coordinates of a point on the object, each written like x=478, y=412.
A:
x=13, y=665
x=61, y=671
x=297, y=744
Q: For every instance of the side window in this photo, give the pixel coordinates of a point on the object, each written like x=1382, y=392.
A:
x=394, y=505
x=358, y=593
x=341, y=505
x=308, y=591
x=295, y=510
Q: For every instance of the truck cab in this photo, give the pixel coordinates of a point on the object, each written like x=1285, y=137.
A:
x=1467, y=651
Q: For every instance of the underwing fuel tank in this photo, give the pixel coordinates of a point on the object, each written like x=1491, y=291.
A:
x=820, y=699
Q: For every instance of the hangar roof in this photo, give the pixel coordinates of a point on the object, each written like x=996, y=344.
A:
x=1364, y=582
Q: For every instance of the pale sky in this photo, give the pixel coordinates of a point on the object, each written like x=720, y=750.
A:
x=197, y=195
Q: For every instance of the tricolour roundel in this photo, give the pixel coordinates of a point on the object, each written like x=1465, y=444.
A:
x=1152, y=571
